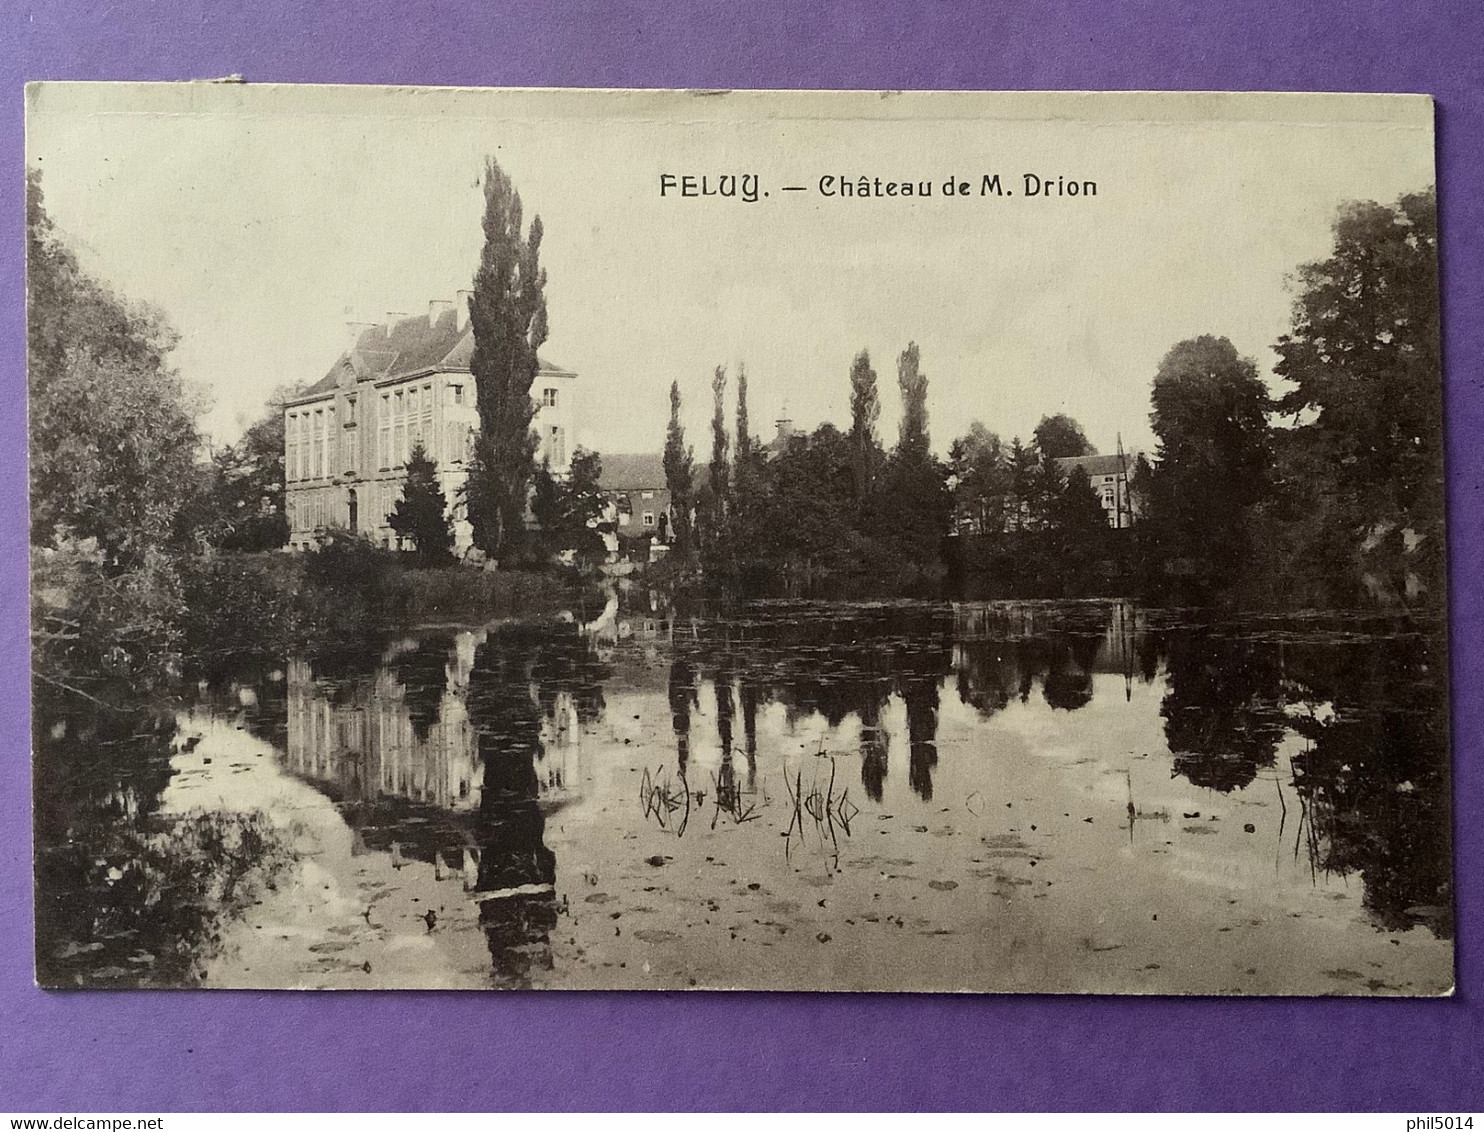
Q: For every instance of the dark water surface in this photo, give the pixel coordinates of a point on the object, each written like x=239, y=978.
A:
x=1010, y=796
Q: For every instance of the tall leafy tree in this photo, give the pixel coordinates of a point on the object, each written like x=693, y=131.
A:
x=910, y=507
x=912, y=441
x=865, y=411
x=242, y=508
x=570, y=511
x=713, y=500
x=113, y=447
x=112, y=425
x=720, y=475
x=1079, y=534
x=421, y=514
x=679, y=464
x=978, y=463
x=1213, y=459
x=508, y=313
x=1363, y=359
x=806, y=538
x=1058, y=436
x=746, y=523
x=1021, y=469
x=744, y=442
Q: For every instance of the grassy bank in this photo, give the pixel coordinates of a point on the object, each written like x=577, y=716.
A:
x=464, y=595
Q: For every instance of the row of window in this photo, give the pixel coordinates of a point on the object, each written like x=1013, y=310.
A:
x=310, y=512
x=309, y=441
x=365, y=508
x=311, y=446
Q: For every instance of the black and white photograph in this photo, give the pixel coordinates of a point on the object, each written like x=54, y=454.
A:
x=665, y=540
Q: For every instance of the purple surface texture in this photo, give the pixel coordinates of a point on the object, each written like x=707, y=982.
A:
x=168, y=1051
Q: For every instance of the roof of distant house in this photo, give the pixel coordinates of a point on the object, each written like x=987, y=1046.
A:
x=1099, y=465
x=415, y=344
x=633, y=471
x=779, y=444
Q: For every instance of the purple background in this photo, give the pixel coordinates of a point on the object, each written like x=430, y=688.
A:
x=183, y=1051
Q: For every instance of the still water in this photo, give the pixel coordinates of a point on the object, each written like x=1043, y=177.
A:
x=1009, y=796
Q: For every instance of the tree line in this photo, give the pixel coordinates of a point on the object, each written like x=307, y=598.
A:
x=1327, y=494
x=839, y=513
x=1330, y=493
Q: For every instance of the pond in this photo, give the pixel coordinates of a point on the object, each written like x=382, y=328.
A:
x=1030, y=796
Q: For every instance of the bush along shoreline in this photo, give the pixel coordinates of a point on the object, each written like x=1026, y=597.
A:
x=182, y=618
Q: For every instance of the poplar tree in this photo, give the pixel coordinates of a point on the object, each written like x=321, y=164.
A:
x=911, y=504
x=865, y=410
x=744, y=430
x=912, y=441
x=679, y=475
x=508, y=313
x=720, y=444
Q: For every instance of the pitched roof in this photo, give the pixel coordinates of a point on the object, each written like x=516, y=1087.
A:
x=411, y=345
x=633, y=471
x=1098, y=465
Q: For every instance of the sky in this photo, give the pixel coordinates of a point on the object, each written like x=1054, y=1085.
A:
x=262, y=219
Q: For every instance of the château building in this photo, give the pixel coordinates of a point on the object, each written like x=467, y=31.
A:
x=1109, y=476
x=347, y=437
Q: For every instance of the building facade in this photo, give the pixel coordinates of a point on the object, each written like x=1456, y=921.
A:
x=1109, y=476
x=348, y=437
x=634, y=485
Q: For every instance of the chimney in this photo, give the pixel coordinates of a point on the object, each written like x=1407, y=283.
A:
x=461, y=309
x=437, y=309
x=354, y=332
x=392, y=318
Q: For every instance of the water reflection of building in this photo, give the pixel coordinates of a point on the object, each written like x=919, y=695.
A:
x=454, y=753
x=380, y=738
x=368, y=746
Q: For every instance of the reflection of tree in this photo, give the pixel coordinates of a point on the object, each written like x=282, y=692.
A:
x=1221, y=715
x=683, y=697
x=875, y=748
x=567, y=662
x=1374, y=781
x=922, y=657
x=345, y=662
x=835, y=665
x=1066, y=686
x=986, y=674
x=517, y=871
x=920, y=693
x=750, y=698
x=991, y=672
x=423, y=673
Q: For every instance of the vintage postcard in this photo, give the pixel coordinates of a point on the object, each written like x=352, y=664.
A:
x=760, y=540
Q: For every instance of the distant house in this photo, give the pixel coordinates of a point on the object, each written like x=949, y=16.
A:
x=634, y=485
x=639, y=496
x=786, y=432
x=1109, y=476
x=347, y=438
